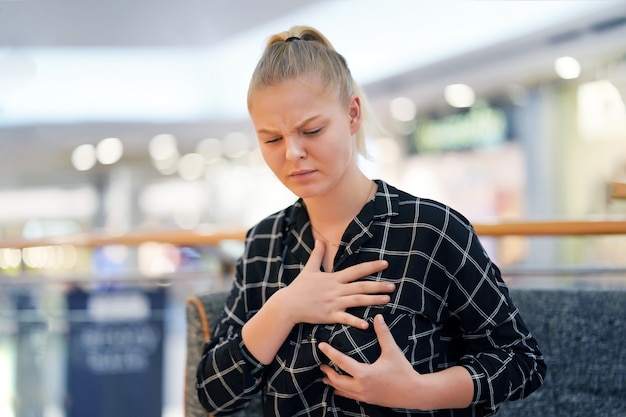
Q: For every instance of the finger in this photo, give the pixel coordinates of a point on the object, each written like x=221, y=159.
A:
x=349, y=300
x=361, y=270
x=385, y=338
x=329, y=372
x=343, y=361
x=330, y=352
x=339, y=382
x=335, y=379
x=370, y=287
x=317, y=256
x=351, y=320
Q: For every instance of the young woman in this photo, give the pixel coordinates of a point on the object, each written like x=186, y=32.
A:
x=359, y=299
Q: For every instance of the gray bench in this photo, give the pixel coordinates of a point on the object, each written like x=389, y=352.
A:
x=581, y=334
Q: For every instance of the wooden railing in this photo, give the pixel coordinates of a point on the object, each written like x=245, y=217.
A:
x=214, y=236
x=552, y=228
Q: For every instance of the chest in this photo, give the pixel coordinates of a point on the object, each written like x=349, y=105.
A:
x=329, y=257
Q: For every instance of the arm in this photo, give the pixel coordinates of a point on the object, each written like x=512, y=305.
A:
x=227, y=375
x=501, y=354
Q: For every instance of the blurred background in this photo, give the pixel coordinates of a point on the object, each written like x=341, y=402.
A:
x=121, y=117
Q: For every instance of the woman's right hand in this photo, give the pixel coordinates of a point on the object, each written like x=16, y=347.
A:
x=319, y=297
x=314, y=297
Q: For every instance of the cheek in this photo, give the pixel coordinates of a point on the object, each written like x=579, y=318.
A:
x=336, y=158
x=343, y=146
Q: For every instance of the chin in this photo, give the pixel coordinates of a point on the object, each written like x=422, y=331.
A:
x=303, y=191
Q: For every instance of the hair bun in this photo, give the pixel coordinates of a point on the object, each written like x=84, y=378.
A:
x=309, y=37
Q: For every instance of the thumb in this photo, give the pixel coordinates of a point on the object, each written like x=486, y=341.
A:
x=385, y=338
x=317, y=256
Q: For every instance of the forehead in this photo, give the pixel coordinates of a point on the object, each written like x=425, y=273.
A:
x=291, y=102
x=306, y=87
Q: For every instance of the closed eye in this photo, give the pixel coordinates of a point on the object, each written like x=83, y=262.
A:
x=273, y=140
x=313, y=132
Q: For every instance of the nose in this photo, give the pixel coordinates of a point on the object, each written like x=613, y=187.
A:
x=294, y=148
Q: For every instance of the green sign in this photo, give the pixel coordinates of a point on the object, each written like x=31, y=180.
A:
x=479, y=127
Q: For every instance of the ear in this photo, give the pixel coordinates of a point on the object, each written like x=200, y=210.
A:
x=354, y=112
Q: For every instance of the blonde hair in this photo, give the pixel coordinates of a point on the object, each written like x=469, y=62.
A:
x=304, y=51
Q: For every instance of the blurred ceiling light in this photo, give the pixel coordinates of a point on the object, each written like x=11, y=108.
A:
x=130, y=84
x=166, y=166
x=191, y=166
x=17, y=71
x=235, y=145
x=38, y=256
x=109, y=151
x=210, y=149
x=56, y=257
x=10, y=258
x=163, y=150
x=179, y=83
x=60, y=205
x=163, y=147
x=70, y=256
x=84, y=157
x=402, y=109
x=459, y=95
x=567, y=68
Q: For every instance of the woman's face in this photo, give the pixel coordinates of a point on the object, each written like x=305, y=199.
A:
x=305, y=134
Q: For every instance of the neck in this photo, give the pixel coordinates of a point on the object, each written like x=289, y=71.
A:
x=335, y=210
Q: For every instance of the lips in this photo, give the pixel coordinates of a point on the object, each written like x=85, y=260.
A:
x=301, y=173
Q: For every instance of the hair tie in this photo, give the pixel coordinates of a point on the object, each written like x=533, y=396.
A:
x=292, y=38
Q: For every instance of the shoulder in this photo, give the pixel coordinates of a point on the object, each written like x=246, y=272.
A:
x=424, y=209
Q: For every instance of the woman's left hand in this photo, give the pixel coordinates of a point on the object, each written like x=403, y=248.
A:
x=388, y=382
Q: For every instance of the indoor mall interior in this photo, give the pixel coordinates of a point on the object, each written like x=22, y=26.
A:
x=130, y=170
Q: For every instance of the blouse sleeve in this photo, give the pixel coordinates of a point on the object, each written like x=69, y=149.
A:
x=502, y=356
x=228, y=375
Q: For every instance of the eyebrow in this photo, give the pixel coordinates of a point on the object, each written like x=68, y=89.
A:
x=298, y=126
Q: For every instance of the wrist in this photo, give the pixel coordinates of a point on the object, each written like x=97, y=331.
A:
x=450, y=388
x=261, y=343
x=280, y=308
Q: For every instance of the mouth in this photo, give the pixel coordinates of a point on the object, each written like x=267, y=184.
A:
x=301, y=173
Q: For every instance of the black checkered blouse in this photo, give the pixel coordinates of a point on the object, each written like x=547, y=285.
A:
x=450, y=307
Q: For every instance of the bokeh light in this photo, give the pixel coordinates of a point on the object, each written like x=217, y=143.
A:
x=402, y=109
x=567, y=67
x=459, y=95
x=109, y=151
x=84, y=157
